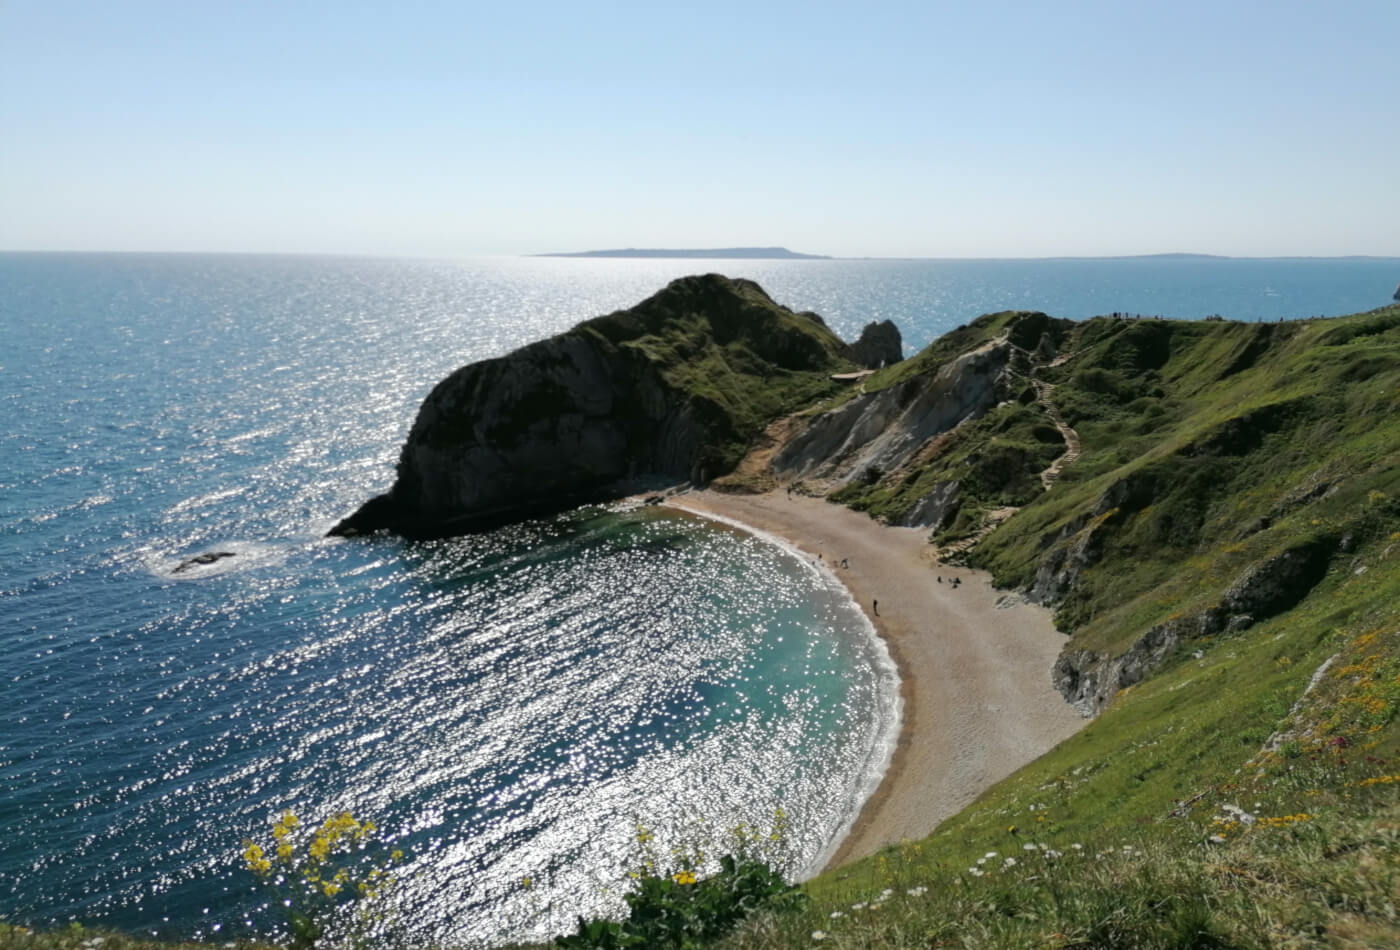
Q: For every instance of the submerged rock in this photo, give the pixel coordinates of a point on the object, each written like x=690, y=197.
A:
x=199, y=560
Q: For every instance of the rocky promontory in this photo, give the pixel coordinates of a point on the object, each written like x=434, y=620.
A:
x=675, y=387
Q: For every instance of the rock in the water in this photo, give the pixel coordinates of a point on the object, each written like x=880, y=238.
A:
x=879, y=345
x=199, y=560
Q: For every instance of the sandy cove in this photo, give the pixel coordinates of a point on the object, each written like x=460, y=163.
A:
x=975, y=678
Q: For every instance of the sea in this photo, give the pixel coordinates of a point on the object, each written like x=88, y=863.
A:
x=526, y=714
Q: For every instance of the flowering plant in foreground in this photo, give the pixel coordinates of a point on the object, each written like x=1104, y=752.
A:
x=685, y=910
x=316, y=873
x=678, y=906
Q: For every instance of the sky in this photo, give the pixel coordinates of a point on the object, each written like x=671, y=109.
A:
x=881, y=129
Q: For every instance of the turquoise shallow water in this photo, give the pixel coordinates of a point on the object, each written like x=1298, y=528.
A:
x=505, y=705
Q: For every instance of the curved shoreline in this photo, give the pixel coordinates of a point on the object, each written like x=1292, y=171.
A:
x=975, y=693
x=887, y=733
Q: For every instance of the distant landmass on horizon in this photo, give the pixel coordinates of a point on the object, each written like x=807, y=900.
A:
x=766, y=253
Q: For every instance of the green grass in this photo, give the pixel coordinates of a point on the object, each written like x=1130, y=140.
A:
x=1153, y=774
x=738, y=359
x=1218, y=481
x=1220, y=445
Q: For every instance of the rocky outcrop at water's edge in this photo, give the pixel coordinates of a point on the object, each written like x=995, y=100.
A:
x=879, y=345
x=674, y=388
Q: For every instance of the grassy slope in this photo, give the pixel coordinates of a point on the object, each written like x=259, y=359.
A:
x=740, y=358
x=1218, y=725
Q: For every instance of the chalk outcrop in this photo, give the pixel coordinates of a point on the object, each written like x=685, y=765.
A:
x=874, y=433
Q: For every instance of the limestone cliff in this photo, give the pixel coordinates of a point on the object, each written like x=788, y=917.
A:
x=878, y=432
x=674, y=387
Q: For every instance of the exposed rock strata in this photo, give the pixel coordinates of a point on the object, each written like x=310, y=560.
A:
x=1270, y=587
x=877, y=432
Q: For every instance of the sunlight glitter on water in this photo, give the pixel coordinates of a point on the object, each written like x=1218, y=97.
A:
x=504, y=705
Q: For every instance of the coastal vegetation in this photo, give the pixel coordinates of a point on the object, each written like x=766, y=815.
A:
x=1223, y=555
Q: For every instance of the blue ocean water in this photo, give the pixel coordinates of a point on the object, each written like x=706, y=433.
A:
x=506, y=705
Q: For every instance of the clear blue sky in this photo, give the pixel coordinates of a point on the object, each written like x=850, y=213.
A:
x=944, y=129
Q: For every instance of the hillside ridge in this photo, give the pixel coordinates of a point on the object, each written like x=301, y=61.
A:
x=673, y=389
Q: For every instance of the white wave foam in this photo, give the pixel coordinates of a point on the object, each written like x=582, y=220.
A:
x=246, y=555
x=889, y=706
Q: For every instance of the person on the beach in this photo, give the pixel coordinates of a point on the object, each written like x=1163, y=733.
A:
x=845, y=563
x=875, y=606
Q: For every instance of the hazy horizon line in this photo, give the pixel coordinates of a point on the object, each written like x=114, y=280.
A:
x=814, y=259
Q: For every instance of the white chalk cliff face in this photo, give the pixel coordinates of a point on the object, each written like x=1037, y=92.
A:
x=879, y=432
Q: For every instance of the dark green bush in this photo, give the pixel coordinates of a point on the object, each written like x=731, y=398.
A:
x=685, y=911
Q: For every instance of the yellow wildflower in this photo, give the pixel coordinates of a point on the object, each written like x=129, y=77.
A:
x=684, y=877
x=320, y=848
x=1378, y=780
x=255, y=859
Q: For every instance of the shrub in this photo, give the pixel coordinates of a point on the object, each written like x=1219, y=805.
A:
x=683, y=910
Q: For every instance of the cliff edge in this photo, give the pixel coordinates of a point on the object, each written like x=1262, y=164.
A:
x=676, y=386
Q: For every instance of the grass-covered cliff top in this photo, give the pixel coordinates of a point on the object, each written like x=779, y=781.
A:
x=742, y=358
x=1244, y=794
